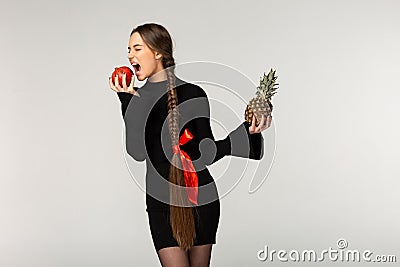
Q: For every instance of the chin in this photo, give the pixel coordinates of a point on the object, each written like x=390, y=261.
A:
x=141, y=77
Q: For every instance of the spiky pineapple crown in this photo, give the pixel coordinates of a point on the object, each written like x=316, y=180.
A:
x=267, y=88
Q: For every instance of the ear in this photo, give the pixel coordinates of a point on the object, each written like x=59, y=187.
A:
x=158, y=56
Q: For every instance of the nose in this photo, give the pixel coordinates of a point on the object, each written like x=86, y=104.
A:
x=130, y=54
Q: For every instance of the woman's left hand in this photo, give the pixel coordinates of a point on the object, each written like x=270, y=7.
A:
x=264, y=124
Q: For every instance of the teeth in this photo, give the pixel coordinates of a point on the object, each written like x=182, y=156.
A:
x=136, y=66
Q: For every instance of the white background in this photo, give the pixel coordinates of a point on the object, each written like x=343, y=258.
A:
x=66, y=196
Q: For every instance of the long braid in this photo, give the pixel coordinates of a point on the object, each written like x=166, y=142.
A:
x=181, y=214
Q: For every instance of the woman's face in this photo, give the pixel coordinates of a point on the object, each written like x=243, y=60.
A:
x=144, y=61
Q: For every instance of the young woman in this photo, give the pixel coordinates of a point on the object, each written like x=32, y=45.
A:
x=177, y=143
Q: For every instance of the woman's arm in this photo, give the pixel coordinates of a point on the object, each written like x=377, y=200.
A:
x=134, y=126
x=246, y=145
x=238, y=143
x=125, y=98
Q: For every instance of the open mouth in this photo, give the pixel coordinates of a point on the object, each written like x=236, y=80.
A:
x=137, y=68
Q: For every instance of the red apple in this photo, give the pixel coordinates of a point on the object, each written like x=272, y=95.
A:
x=120, y=71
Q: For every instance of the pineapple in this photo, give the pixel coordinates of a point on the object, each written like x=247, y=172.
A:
x=261, y=104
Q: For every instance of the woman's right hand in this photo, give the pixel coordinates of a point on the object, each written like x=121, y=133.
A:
x=127, y=89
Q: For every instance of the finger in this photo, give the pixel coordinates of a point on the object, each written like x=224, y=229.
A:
x=111, y=84
x=116, y=84
x=115, y=80
x=130, y=86
x=134, y=92
x=265, y=126
x=124, y=81
x=258, y=129
x=253, y=124
x=131, y=89
x=269, y=121
x=132, y=81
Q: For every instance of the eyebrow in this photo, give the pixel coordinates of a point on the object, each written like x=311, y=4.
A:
x=135, y=45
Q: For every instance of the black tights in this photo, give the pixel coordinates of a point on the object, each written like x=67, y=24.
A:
x=197, y=256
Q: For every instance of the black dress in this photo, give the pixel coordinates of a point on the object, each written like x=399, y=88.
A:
x=148, y=138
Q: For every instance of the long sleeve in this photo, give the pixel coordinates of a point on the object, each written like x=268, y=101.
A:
x=134, y=125
x=239, y=142
x=245, y=144
x=125, y=98
x=211, y=150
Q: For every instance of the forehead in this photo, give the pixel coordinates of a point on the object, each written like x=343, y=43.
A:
x=135, y=39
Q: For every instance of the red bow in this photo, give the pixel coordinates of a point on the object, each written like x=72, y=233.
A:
x=190, y=175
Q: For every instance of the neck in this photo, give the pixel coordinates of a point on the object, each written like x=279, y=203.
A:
x=158, y=76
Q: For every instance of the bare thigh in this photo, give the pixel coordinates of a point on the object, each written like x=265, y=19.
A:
x=200, y=256
x=173, y=257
